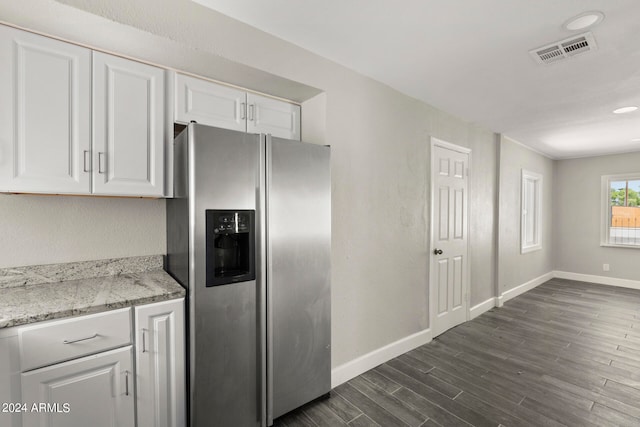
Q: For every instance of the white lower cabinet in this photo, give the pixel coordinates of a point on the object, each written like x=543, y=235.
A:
x=80, y=371
x=160, y=364
x=92, y=391
x=10, y=398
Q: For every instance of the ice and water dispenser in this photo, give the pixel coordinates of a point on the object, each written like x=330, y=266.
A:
x=230, y=246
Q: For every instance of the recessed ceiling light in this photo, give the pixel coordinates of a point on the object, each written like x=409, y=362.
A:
x=623, y=110
x=584, y=20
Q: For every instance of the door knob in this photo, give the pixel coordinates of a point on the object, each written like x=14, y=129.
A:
x=437, y=251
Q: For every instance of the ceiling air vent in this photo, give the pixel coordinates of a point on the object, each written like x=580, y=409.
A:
x=564, y=49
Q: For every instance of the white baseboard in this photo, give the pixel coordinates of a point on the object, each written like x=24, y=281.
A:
x=601, y=280
x=521, y=289
x=362, y=364
x=478, y=309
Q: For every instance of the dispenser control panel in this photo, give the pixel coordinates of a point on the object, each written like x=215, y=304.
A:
x=237, y=222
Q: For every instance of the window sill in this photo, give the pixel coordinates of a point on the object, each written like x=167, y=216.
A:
x=530, y=249
x=611, y=245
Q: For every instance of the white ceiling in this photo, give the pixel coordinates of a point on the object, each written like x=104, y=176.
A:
x=470, y=58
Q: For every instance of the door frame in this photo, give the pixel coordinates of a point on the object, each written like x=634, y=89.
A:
x=436, y=142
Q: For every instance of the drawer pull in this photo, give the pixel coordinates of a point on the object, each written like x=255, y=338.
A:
x=81, y=339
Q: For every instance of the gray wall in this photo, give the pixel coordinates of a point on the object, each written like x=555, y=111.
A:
x=380, y=162
x=483, y=192
x=577, y=216
x=514, y=268
x=53, y=229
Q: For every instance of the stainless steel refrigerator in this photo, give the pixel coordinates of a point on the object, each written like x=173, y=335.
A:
x=249, y=236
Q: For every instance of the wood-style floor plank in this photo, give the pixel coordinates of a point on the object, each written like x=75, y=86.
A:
x=600, y=395
x=342, y=407
x=393, y=370
x=363, y=421
x=429, y=409
x=323, y=416
x=391, y=403
x=374, y=411
x=566, y=353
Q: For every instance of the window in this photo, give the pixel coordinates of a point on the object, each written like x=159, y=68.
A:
x=530, y=224
x=621, y=210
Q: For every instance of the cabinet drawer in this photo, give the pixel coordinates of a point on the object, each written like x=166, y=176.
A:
x=51, y=342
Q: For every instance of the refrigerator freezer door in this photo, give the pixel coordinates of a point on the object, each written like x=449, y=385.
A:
x=225, y=334
x=298, y=273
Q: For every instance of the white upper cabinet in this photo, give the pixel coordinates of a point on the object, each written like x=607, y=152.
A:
x=209, y=104
x=77, y=121
x=128, y=127
x=225, y=107
x=268, y=115
x=72, y=126
x=45, y=114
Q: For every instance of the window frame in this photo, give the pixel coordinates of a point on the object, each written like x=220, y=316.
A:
x=605, y=207
x=525, y=212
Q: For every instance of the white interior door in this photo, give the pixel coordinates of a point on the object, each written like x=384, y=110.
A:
x=449, y=277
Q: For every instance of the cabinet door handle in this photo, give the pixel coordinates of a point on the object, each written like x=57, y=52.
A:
x=81, y=339
x=251, y=112
x=86, y=162
x=243, y=111
x=100, y=156
x=126, y=383
x=144, y=341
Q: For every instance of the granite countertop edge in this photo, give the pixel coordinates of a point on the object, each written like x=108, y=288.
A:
x=27, y=301
x=92, y=309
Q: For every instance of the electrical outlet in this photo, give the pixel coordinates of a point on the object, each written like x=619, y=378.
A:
x=605, y=267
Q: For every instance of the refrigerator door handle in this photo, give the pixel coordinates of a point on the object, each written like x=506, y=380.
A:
x=266, y=364
x=269, y=274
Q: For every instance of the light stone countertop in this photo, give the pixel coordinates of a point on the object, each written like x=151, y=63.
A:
x=135, y=281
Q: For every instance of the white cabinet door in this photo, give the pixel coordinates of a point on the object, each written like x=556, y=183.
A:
x=278, y=118
x=10, y=415
x=92, y=391
x=128, y=127
x=209, y=104
x=45, y=104
x=160, y=364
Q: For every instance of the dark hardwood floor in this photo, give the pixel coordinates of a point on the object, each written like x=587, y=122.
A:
x=564, y=353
